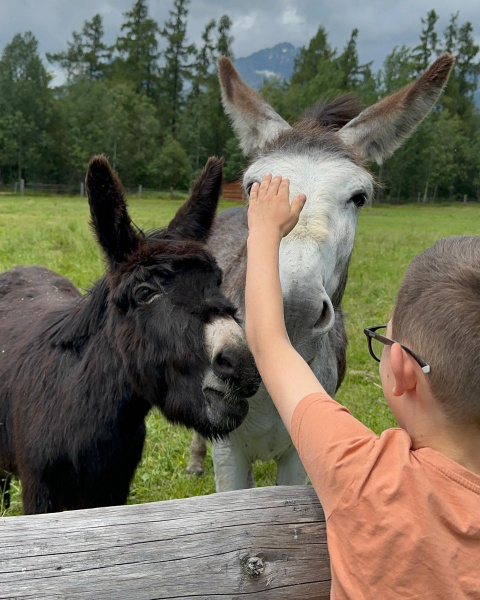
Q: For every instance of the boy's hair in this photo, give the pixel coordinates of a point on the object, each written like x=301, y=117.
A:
x=437, y=314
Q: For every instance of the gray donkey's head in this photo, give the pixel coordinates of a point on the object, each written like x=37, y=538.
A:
x=324, y=156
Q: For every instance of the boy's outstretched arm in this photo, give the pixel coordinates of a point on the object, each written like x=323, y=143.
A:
x=287, y=376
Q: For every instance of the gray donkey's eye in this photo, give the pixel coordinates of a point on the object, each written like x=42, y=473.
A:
x=358, y=199
x=248, y=187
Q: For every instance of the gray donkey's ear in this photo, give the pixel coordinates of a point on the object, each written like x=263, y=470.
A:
x=254, y=120
x=382, y=128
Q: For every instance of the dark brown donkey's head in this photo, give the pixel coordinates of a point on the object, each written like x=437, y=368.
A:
x=181, y=347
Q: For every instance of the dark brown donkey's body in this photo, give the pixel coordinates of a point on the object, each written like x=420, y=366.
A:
x=78, y=374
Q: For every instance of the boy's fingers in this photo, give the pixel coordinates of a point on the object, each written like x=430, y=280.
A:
x=283, y=188
x=264, y=186
x=297, y=204
x=266, y=179
x=254, y=190
x=275, y=184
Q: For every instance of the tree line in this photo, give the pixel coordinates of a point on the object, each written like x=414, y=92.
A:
x=158, y=115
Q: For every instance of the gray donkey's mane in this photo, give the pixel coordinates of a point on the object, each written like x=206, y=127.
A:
x=336, y=113
x=316, y=129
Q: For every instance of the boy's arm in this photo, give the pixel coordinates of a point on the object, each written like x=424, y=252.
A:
x=333, y=446
x=287, y=376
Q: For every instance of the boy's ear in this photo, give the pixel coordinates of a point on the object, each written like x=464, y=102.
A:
x=403, y=369
x=110, y=219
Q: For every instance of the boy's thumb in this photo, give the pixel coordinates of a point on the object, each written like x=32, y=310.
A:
x=298, y=204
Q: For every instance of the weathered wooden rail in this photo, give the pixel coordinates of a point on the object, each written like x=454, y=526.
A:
x=267, y=543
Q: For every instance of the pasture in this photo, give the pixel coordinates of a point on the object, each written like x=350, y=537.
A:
x=54, y=232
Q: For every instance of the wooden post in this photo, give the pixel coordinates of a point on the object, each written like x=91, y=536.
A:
x=425, y=193
x=15, y=187
x=264, y=543
x=22, y=187
x=82, y=189
x=464, y=199
x=140, y=191
x=171, y=193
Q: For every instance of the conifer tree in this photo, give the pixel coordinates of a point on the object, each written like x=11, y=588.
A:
x=179, y=59
x=225, y=39
x=138, y=50
x=463, y=82
x=86, y=54
x=203, y=128
x=426, y=50
x=26, y=103
x=317, y=58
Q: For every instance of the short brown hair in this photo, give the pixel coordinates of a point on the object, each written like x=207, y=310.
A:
x=437, y=314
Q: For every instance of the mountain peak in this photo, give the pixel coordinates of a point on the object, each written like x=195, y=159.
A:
x=272, y=62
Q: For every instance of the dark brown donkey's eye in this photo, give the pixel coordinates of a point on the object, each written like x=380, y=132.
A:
x=145, y=293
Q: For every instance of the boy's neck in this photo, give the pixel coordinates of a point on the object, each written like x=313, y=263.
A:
x=460, y=444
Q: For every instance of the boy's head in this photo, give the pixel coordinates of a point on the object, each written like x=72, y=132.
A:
x=437, y=315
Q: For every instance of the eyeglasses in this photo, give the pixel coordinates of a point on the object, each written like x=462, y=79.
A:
x=376, y=342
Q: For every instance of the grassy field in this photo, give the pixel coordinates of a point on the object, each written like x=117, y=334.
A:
x=53, y=232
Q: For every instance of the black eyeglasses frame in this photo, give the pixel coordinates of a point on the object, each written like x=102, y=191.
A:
x=371, y=333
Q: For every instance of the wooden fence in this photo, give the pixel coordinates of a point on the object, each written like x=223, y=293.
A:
x=233, y=190
x=267, y=543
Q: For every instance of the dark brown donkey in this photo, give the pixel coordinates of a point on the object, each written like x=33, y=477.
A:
x=78, y=374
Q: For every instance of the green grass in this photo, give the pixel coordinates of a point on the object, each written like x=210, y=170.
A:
x=53, y=232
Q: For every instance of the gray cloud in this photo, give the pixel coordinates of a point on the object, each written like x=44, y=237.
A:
x=256, y=25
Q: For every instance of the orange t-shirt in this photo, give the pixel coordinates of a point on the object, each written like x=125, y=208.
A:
x=401, y=523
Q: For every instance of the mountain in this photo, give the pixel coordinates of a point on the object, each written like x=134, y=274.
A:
x=277, y=62
x=271, y=62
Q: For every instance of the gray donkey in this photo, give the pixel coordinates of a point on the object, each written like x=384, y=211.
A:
x=323, y=155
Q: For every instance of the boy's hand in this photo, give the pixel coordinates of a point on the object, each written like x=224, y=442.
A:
x=269, y=211
x=286, y=375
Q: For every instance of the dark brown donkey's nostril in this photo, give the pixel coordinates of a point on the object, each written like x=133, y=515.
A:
x=238, y=367
x=224, y=365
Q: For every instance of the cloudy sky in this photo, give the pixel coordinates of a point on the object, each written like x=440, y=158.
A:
x=257, y=24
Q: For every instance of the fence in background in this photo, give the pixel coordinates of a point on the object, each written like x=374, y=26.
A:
x=23, y=188
x=232, y=190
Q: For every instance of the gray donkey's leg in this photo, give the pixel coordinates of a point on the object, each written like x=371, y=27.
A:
x=198, y=451
x=233, y=469
x=290, y=470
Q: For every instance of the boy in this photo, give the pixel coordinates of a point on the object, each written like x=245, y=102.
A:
x=402, y=509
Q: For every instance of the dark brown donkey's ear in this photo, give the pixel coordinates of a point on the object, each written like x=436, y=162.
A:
x=110, y=219
x=194, y=219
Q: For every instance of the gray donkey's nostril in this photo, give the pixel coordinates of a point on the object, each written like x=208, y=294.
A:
x=327, y=316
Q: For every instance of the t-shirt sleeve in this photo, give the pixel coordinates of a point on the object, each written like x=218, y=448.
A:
x=332, y=446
